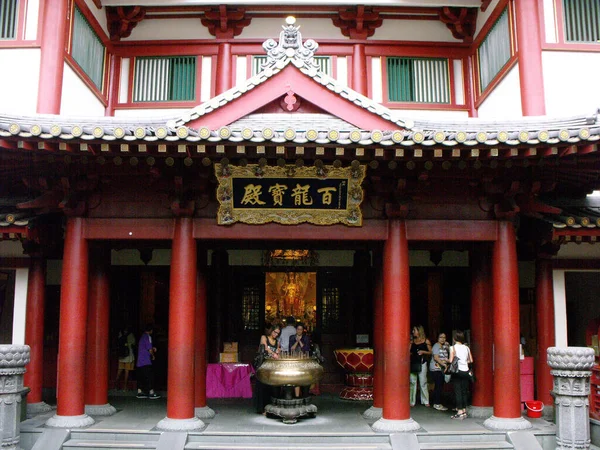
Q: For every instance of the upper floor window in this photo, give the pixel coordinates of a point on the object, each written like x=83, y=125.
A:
x=87, y=49
x=581, y=20
x=495, y=51
x=8, y=18
x=165, y=79
x=420, y=80
x=324, y=63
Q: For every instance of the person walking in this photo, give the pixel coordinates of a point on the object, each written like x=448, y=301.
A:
x=145, y=372
x=461, y=378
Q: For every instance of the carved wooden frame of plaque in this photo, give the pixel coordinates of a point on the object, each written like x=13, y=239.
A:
x=228, y=215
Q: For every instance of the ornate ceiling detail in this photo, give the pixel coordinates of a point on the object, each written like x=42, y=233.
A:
x=225, y=23
x=123, y=19
x=460, y=21
x=358, y=22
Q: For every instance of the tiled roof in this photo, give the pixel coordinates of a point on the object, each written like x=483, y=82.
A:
x=575, y=214
x=300, y=128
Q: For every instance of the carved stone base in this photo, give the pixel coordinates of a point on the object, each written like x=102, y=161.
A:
x=81, y=421
x=395, y=426
x=480, y=412
x=100, y=410
x=373, y=413
x=357, y=393
x=204, y=413
x=548, y=412
x=503, y=424
x=193, y=424
x=291, y=410
x=33, y=409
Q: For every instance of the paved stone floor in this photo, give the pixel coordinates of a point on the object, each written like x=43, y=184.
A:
x=237, y=416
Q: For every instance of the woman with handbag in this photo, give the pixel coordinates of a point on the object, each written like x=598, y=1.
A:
x=461, y=377
x=420, y=350
x=269, y=343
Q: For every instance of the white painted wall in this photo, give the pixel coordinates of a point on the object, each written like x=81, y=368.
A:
x=19, y=78
x=77, y=99
x=99, y=15
x=342, y=70
x=571, y=82
x=310, y=29
x=413, y=30
x=505, y=100
x=579, y=251
x=32, y=12
x=156, y=30
x=20, y=306
x=482, y=17
x=11, y=249
x=549, y=27
x=163, y=113
x=560, y=308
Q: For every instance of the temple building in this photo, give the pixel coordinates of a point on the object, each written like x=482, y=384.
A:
x=213, y=168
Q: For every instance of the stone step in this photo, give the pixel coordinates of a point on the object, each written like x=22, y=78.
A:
x=96, y=444
x=473, y=445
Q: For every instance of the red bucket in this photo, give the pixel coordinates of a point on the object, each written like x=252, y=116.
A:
x=534, y=409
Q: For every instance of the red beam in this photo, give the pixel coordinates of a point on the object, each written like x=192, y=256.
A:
x=451, y=230
x=372, y=230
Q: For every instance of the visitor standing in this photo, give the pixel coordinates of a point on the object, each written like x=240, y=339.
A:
x=145, y=372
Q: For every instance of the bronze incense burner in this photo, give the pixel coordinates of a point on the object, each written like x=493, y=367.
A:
x=287, y=372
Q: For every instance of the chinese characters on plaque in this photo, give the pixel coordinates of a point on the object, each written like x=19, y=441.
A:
x=290, y=195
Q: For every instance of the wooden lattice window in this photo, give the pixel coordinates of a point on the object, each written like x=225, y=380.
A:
x=324, y=63
x=495, y=51
x=251, y=307
x=581, y=20
x=165, y=79
x=330, y=308
x=87, y=49
x=9, y=14
x=420, y=80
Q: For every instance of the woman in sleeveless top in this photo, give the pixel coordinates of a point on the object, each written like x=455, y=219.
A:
x=461, y=379
x=420, y=350
x=263, y=392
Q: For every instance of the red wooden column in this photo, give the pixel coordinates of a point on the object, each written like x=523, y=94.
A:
x=52, y=58
x=359, y=69
x=182, y=318
x=96, y=378
x=375, y=411
x=201, y=409
x=224, y=73
x=505, y=276
x=34, y=335
x=396, y=332
x=529, y=41
x=481, y=333
x=545, y=329
x=70, y=411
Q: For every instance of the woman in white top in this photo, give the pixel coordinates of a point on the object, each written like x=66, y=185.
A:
x=461, y=379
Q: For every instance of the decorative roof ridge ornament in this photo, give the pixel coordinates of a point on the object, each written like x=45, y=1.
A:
x=290, y=46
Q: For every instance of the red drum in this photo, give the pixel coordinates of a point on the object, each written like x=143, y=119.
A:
x=358, y=362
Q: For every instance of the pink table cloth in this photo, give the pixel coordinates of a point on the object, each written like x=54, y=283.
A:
x=228, y=380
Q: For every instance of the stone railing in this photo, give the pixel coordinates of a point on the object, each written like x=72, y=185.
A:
x=571, y=369
x=13, y=359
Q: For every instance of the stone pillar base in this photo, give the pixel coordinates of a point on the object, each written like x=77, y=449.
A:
x=100, y=410
x=373, y=413
x=548, y=412
x=204, y=412
x=33, y=409
x=506, y=424
x=193, y=424
x=395, y=426
x=480, y=412
x=81, y=421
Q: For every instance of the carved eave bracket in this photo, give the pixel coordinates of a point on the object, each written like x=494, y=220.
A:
x=460, y=21
x=358, y=22
x=225, y=23
x=123, y=19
